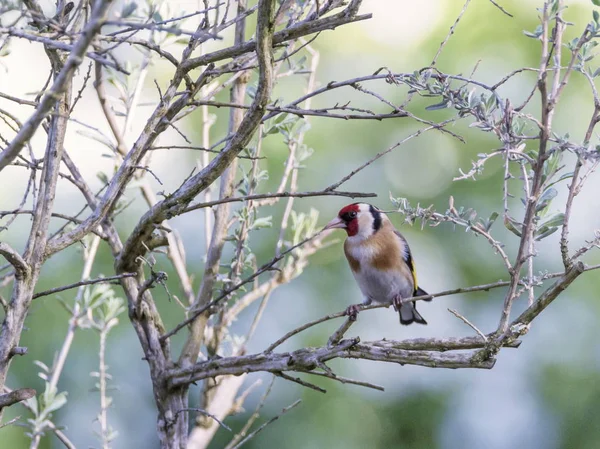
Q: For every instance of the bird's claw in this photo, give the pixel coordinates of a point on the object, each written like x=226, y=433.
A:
x=397, y=303
x=352, y=311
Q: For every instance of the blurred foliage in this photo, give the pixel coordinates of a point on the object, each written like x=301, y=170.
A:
x=573, y=394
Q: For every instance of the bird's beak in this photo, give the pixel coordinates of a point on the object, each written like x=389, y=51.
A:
x=335, y=223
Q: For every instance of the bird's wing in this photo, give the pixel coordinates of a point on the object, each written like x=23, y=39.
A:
x=407, y=256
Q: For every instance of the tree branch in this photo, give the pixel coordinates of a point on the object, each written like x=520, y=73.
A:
x=293, y=32
x=308, y=359
x=64, y=77
x=100, y=280
x=549, y=295
x=22, y=394
x=260, y=196
x=22, y=269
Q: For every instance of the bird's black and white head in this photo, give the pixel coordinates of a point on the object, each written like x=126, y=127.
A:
x=359, y=220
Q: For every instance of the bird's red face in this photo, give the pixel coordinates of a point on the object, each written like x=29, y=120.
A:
x=346, y=219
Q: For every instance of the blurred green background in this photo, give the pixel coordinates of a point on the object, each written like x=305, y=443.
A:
x=546, y=394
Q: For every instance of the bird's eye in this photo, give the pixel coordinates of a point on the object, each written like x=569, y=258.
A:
x=352, y=214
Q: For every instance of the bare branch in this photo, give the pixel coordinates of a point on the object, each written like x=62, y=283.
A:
x=341, y=331
x=270, y=421
x=307, y=359
x=210, y=415
x=260, y=196
x=22, y=394
x=301, y=382
x=59, y=433
x=335, y=185
x=501, y=8
x=100, y=280
x=266, y=267
x=22, y=269
x=65, y=75
x=323, y=112
x=52, y=43
x=293, y=32
x=468, y=323
x=450, y=32
x=254, y=416
x=549, y=295
x=345, y=380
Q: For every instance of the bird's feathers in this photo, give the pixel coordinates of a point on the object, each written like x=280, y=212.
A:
x=420, y=292
x=408, y=314
x=377, y=218
x=381, y=261
x=409, y=260
x=354, y=262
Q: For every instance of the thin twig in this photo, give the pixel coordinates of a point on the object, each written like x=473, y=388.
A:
x=468, y=323
x=345, y=380
x=270, y=421
x=260, y=196
x=450, y=32
x=15, y=396
x=300, y=382
x=255, y=415
x=339, y=333
x=100, y=280
x=204, y=412
x=266, y=267
x=48, y=100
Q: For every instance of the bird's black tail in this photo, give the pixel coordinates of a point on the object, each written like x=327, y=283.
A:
x=420, y=292
x=408, y=311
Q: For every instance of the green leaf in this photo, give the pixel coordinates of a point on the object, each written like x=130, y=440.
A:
x=549, y=227
x=545, y=232
x=271, y=130
x=469, y=215
x=305, y=152
x=562, y=178
x=572, y=45
x=157, y=17
x=280, y=118
x=491, y=102
x=58, y=401
x=490, y=221
x=48, y=394
x=264, y=222
x=553, y=163
x=535, y=34
x=42, y=365
x=545, y=199
x=513, y=226
x=128, y=9
x=435, y=107
x=555, y=220
x=32, y=403
x=596, y=2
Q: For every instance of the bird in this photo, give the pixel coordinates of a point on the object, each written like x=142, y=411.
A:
x=380, y=260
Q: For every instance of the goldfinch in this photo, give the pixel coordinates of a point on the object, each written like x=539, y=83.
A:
x=380, y=260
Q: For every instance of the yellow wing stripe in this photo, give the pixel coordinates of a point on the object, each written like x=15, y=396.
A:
x=411, y=266
x=407, y=256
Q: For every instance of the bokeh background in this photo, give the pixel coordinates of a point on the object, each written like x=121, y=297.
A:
x=546, y=394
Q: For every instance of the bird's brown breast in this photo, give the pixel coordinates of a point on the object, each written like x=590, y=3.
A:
x=354, y=263
x=386, y=251
x=382, y=251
